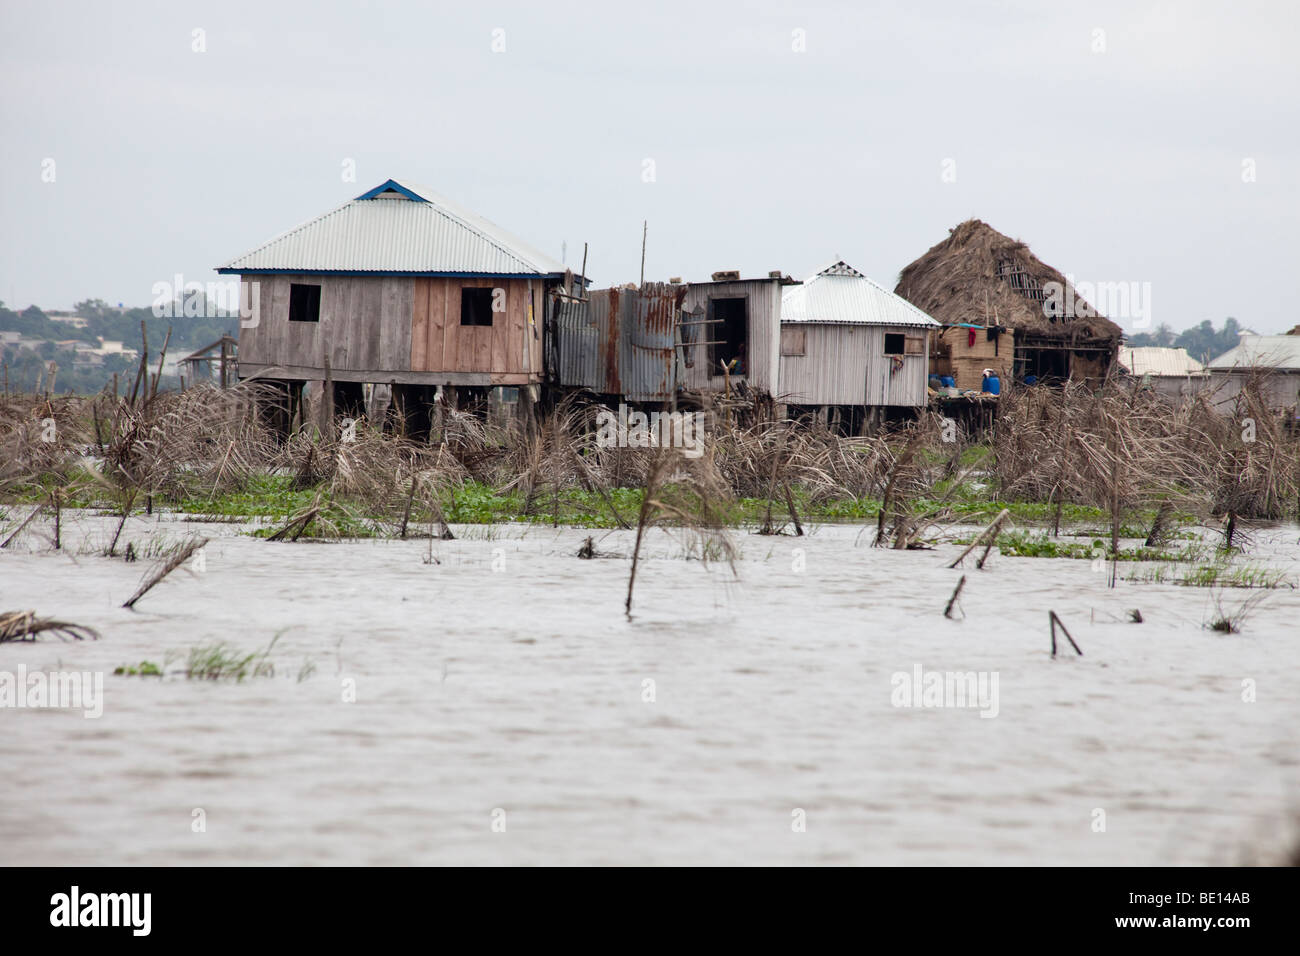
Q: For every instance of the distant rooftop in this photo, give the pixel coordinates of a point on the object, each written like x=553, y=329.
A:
x=840, y=294
x=1261, y=351
x=1154, y=360
x=397, y=228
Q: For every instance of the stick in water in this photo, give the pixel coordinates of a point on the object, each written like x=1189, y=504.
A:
x=17, y=531
x=1055, y=623
x=990, y=531
x=947, y=612
x=174, y=562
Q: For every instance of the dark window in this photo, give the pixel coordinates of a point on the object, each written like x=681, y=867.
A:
x=475, y=306
x=730, y=335
x=894, y=343
x=304, y=303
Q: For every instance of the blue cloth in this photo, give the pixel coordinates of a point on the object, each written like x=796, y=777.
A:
x=948, y=381
x=992, y=385
x=1031, y=379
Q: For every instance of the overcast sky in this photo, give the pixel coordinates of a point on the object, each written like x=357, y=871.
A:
x=1120, y=140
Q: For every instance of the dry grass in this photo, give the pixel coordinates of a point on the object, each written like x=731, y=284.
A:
x=1112, y=448
x=687, y=493
x=25, y=626
x=1121, y=449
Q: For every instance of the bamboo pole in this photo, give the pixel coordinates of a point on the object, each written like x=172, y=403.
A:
x=990, y=532
x=28, y=520
x=947, y=611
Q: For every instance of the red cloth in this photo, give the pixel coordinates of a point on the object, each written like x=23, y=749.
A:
x=970, y=338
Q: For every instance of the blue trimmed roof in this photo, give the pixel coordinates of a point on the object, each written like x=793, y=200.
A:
x=397, y=228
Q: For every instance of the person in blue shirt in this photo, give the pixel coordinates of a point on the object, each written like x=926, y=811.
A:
x=991, y=384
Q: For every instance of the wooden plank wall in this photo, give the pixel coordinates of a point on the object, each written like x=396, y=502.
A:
x=387, y=325
x=510, y=350
x=365, y=324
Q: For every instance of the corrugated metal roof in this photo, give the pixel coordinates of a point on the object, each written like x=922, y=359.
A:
x=1153, y=360
x=1261, y=351
x=841, y=294
x=397, y=227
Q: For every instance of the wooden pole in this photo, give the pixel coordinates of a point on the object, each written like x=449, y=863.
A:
x=35, y=511
x=794, y=515
x=327, y=400
x=947, y=611
x=990, y=532
x=410, y=498
x=645, y=226
x=1056, y=622
x=162, y=357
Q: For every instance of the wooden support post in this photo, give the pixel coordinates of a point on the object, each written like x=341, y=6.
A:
x=990, y=533
x=947, y=611
x=1056, y=622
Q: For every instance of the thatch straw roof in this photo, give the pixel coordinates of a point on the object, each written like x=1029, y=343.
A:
x=959, y=280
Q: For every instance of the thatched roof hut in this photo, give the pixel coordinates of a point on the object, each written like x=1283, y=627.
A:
x=979, y=279
x=979, y=275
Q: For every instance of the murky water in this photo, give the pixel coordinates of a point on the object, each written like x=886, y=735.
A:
x=505, y=684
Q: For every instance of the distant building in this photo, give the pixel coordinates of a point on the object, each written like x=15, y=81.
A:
x=398, y=286
x=996, y=303
x=733, y=320
x=663, y=341
x=109, y=347
x=87, y=356
x=852, y=350
x=1172, y=373
x=68, y=318
x=1271, y=360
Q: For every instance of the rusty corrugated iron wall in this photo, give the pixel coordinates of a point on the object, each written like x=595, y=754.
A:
x=620, y=341
x=575, y=356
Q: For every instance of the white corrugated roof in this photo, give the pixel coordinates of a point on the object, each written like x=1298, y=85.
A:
x=1154, y=360
x=397, y=227
x=1261, y=351
x=841, y=294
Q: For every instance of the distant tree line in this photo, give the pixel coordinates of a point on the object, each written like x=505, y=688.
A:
x=1203, y=342
x=22, y=365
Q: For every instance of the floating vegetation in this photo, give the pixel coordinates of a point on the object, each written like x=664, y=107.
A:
x=219, y=661
x=16, y=626
x=1215, y=575
x=143, y=669
x=1229, y=620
